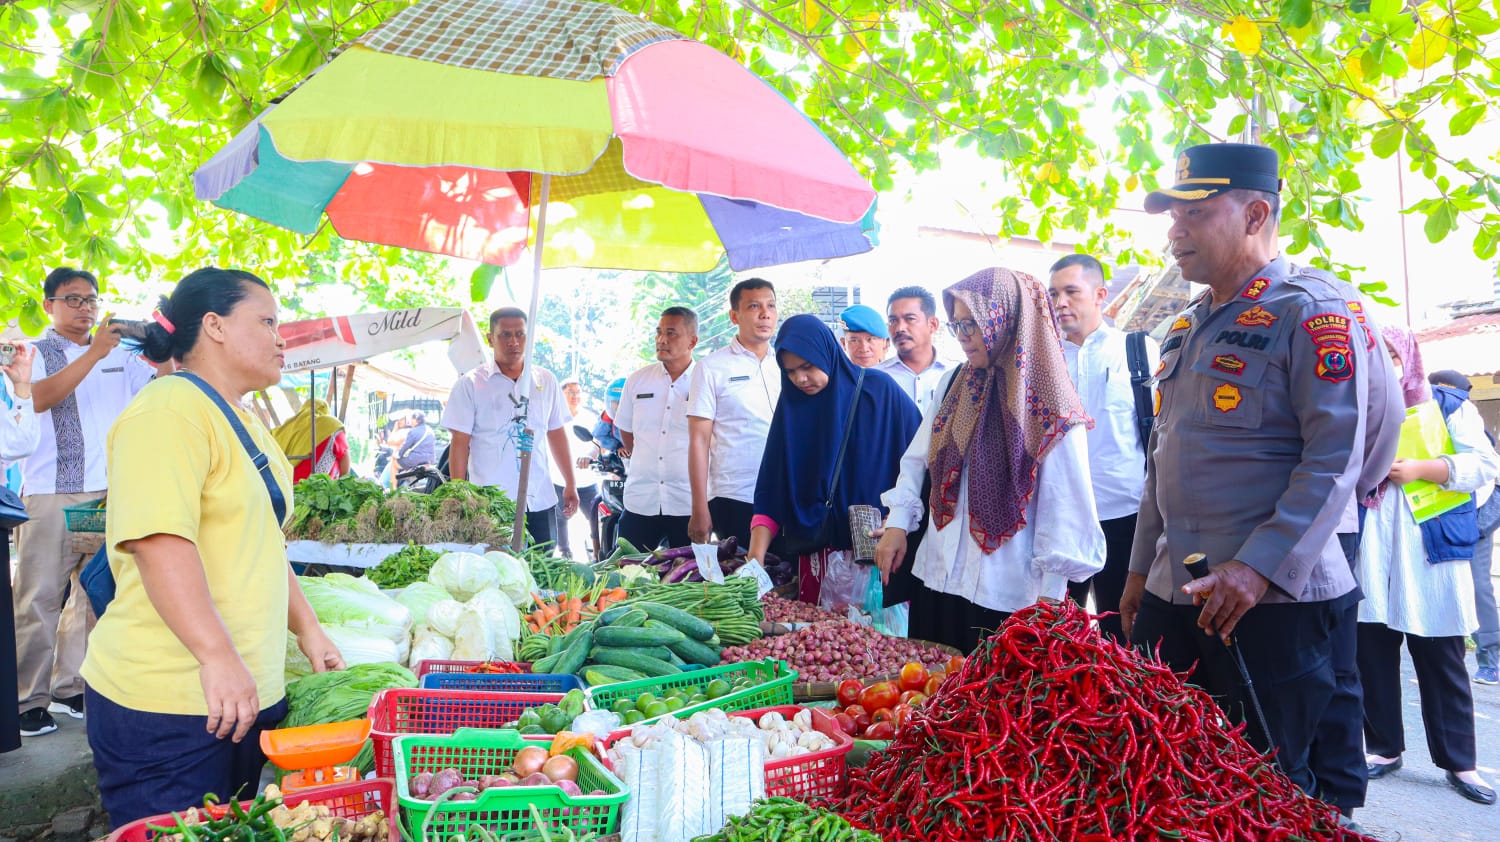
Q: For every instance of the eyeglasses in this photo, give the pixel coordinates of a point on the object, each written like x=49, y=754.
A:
x=963, y=328
x=78, y=302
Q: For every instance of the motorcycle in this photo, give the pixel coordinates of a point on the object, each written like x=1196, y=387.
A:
x=611, y=502
x=423, y=479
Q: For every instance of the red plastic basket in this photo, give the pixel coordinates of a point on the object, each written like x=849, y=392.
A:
x=407, y=710
x=425, y=667
x=822, y=774
x=353, y=800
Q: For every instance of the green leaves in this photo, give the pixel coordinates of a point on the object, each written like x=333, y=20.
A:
x=481, y=281
x=1388, y=140
x=1463, y=122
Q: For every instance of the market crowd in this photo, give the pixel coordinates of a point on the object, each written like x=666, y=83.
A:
x=1059, y=457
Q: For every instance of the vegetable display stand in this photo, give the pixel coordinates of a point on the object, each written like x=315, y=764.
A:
x=816, y=691
x=428, y=667
x=773, y=686
x=404, y=710
x=476, y=753
x=502, y=683
x=314, y=755
x=353, y=800
x=822, y=774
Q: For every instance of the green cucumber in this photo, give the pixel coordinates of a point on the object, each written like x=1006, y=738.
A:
x=695, y=652
x=684, y=622
x=597, y=674
x=609, y=615
x=625, y=637
x=571, y=660
x=545, y=664
x=652, y=667
x=635, y=618
x=661, y=653
x=556, y=643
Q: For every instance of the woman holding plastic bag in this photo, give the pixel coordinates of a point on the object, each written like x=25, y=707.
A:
x=835, y=441
x=187, y=665
x=1011, y=506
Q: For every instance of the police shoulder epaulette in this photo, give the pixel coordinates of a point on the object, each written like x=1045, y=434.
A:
x=1320, y=283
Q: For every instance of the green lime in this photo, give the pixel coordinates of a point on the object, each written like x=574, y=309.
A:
x=644, y=701
x=656, y=709
x=633, y=716
x=555, y=720
x=698, y=699
x=717, y=688
x=621, y=705
x=674, y=703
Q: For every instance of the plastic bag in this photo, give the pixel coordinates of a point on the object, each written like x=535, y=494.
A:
x=515, y=579
x=363, y=645
x=419, y=597
x=463, y=574
x=499, y=614
x=843, y=582
x=473, y=640
x=891, y=621
x=600, y=723
x=638, y=769
x=339, y=598
x=737, y=777
x=682, y=785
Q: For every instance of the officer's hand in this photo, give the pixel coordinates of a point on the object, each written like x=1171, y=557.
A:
x=890, y=553
x=1226, y=593
x=1130, y=601
x=700, y=525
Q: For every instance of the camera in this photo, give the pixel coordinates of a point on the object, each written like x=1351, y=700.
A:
x=130, y=329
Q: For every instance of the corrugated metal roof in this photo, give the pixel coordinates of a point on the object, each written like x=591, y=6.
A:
x=1470, y=345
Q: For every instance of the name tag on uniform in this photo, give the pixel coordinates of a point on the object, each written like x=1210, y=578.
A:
x=645, y=395
x=113, y=370
x=738, y=379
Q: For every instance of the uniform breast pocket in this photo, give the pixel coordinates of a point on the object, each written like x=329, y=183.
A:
x=1230, y=389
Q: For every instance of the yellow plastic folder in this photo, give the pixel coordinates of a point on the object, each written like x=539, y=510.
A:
x=1424, y=435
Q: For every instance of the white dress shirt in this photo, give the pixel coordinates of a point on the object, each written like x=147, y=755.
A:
x=1061, y=541
x=100, y=398
x=1402, y=590
x=582, y=477
x=20, y=428
x=481, y=406
x=654, y=408
x=921, y=388
x=738, y=392
x=1100, y=369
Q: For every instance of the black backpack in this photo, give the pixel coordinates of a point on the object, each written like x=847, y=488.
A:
x=1140, y=383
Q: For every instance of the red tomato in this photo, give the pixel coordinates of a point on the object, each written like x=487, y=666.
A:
x=848, y=692
x=860, y=715
x=880, y=731
x=913, y=697
x=913, y=677
x=882, y=694
x=933, y=684
x=884, y=715
x=847, y=724
x=955, y=663
x=900, y=714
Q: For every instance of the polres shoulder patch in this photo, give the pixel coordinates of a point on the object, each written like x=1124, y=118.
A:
x=1330, y=333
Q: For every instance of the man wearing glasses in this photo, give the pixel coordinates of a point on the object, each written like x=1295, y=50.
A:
x=86, y=380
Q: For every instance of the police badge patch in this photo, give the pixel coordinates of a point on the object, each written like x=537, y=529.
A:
x=1256, y=316
x=1330, y=333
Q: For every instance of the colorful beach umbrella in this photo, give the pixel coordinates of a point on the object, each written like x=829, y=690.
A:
x=477, y=128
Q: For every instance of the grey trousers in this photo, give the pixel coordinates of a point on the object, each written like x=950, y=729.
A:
x=1487, y=639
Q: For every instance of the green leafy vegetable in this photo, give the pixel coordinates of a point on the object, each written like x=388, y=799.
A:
x=411, y=564
x=341, y=696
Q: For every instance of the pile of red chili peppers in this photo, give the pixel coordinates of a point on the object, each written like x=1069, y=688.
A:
x=1052, y=732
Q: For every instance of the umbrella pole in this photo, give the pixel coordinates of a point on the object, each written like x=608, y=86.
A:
x=518, y=531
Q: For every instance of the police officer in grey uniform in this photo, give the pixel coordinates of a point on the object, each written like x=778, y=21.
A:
x=1259, y=444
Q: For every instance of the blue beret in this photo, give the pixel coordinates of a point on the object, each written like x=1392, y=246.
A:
x=867, y=319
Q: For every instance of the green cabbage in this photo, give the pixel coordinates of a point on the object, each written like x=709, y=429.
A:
x=419, y=597
x=339, y=599
x=463, y=574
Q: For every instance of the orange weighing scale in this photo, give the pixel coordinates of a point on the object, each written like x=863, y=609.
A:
x=314, y=755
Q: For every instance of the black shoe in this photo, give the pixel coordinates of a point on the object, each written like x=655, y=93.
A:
x=70, y=705
x=1478, y=794
x=36, y=722
x=1376, y=771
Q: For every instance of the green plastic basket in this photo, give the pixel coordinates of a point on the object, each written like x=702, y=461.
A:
x=773, y=687
x=475, y=752
x=88, y=517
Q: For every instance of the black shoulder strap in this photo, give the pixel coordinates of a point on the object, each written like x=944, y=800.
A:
x=261, y=462
x=838, y=462
x=1140, y=384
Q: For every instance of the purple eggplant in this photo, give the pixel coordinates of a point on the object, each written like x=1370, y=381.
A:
x=680, y=572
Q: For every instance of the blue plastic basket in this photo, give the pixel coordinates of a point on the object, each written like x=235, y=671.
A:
x=502, y=683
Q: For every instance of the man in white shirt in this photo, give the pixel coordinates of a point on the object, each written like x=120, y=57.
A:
x=911, y=320
x=653, y=424
x=85, y=383
x=731, y=401
x=1098, y=363
x=585, y=477
x=481, y=415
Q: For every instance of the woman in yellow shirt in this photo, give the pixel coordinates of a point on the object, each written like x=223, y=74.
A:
x=186, y=666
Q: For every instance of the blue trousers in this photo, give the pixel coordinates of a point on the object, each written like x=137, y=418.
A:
x=150, y=764
x=1487, y=639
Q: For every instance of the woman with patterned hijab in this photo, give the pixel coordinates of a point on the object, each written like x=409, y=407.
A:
x=1008, y=490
